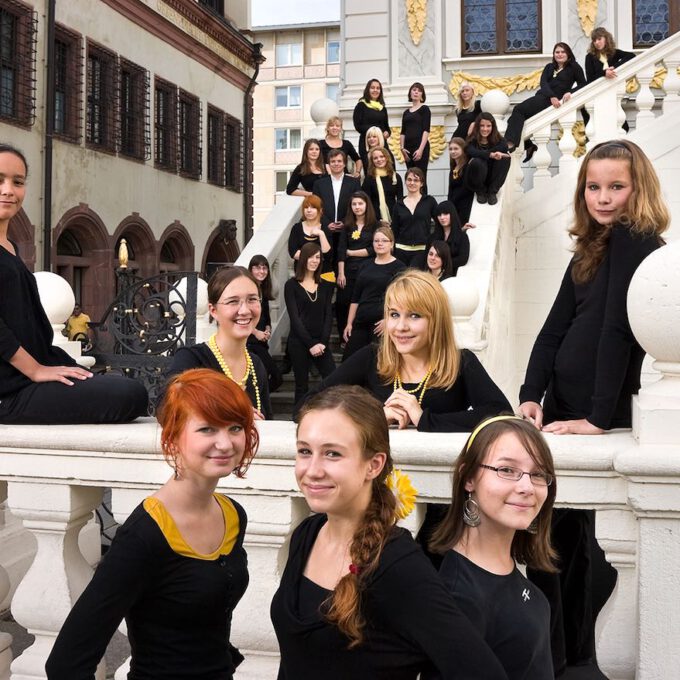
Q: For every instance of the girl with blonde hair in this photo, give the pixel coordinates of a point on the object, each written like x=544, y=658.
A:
x=382, y=184
x=468, y=107
x=334, y=140
x=419, y=374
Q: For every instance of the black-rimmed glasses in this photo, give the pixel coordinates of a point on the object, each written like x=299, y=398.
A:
x=515, y=474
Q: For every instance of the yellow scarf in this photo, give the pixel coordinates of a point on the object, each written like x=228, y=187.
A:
x=603, y=59
x=373, y=104
x=384, y=210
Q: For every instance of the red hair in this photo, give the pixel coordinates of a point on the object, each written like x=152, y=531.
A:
x=207, y=394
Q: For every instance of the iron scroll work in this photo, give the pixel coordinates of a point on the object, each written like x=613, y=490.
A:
x=149, y=320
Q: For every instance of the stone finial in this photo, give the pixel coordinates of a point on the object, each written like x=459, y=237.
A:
x=463, y=301
x=320, y=111
x=123, y=254
x=57, y=298
x=495, y=102
x=203, y=327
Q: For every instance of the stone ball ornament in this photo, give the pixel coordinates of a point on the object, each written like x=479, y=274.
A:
x=654, y=304
x=179, y=294
x=463, y=296
x=56, y=296
x=495, y=102
x=323, y=109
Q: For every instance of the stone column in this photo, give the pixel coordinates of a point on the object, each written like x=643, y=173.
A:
x=54, y=514
x=653, y=468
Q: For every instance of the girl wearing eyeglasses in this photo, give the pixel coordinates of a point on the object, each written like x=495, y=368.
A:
x=234, y=302
x=503, y=494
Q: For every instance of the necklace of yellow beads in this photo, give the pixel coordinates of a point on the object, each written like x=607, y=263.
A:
x=250, y=369
x=420, y=387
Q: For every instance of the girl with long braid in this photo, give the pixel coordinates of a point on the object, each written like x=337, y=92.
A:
x=358, y=599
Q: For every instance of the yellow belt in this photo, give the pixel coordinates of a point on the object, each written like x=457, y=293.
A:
x=412, y=248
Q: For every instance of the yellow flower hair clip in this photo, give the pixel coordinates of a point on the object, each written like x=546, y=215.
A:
x=355, y=235
x=404, y=492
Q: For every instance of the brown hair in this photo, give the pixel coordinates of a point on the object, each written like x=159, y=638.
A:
x=462, y=161
x=416, y=172
x=444, y=253
x=367, y=92
x=266, y=288
x=609, y=45
x=421, y=87
x=370, y=220
x=305, y=163
x=212, y=396
x=494, y=136
x=370, y=424
x=533, y=550
x=8, y=148
x=223, y=277
x=336, y=152
x=420, y=292
x=307, y=251
x=389, y=166
x=646, y=212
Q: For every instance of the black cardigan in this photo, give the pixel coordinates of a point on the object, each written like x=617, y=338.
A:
x=413, y=228
x=595, y=69
x=297, y=179
x=586, y=360
x=412, y=622
x=465, y=118
x=472, y=398
x=310, y=321
x=364, y=118
x=558, y=85
x=394, y=191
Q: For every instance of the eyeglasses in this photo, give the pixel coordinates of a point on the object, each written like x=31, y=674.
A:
x=515, y=474
x=235, y=303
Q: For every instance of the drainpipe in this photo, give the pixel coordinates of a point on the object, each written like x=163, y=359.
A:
x=247, y=151
x=49, y=130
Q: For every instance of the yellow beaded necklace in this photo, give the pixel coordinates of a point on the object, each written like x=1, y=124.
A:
x=250, y=369
x=421, y=386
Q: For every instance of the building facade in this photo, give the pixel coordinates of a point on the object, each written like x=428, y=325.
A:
x=134, y=117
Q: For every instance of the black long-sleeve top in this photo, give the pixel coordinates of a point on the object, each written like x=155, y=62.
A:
x=558, y=85
x=348, y=242
x=413, y=124
x=201, y=356
x=412, y=622
x=297, y=238
x=460, y=194
x=364, y=118
x=508, y=611
x=458, y=242
x=265, y=320
x=369, y=289
x=177, y=604
x=476, y=150
x=306, y=180
x=595, y=68
x=586, y=360
x=465, y=118
x=413, y=228
x=459, y=408
x=347, y=147
x=310, y=317
x=394, y=191
x=23, y=323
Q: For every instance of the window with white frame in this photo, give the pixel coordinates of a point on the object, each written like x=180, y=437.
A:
x=288, y=97
x=332, y=91
x=289, y=54
x=288, y=138
x=333, y=52
x=282, y=177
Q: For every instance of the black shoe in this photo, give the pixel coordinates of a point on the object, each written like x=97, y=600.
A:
x=492, y=198
x=481, y=198
x=530, y=151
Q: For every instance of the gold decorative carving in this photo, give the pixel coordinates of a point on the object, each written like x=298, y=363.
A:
x=123, y=254
x=579, y=132
x=632, y=84
x=587, y=14
x=437, y=139
x=416, y=15
x=509, y=84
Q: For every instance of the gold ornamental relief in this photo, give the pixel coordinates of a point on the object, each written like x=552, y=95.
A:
x=509, y=84
x=416, y=16
x=437, y=139
x=632, y=84
x=587, y=15
x=579, y=132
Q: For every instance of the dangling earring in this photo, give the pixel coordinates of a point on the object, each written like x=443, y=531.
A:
x=471, y=515
x=174, y=465
x=533, y=527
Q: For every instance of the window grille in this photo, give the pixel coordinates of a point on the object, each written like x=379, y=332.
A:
x=133, y=111
x=654, y=21
x=190, y=151
x=234, y=154
x=216, y=160
x=165, y=125
x=18, y=24
x=101, y=101
x=68, y=83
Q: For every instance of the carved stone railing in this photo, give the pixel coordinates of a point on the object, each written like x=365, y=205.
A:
x=271, y=240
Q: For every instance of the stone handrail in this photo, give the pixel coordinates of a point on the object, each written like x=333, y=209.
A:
x=271, y=240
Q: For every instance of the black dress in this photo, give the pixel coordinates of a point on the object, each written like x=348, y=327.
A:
x=412, y=229
x=459, y=408
x=365, y=117
x=508, y=611
x=393, y=188
x=412, y=624
x=201, y=356
x=297, y=238
x=413, y=124
x=461, y=193
x=297, y=178
x=261, y=348
x=465, y=118
x=104, y=398
x=347, y=147
x=595, y=68
x=458, y=243
x=177, y=604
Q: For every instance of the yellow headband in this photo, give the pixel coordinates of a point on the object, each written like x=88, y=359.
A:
x=483, y=424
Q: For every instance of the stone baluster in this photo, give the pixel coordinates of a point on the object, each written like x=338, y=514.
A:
x=645, y=98
x=620, y=113
x=5, y=638
x=542, y=157
x=652, y=468
x=463, y=301
x=54, y=514
x=671, y=84
x=590, y=128
x=568, y=143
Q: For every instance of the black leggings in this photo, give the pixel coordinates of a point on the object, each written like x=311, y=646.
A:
x=487, y=177
x=520, y=113
x=106, y=398
x=302, y=362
